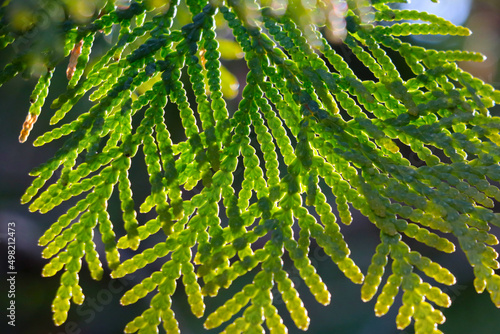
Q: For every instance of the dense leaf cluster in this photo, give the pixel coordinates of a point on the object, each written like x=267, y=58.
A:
x=320, y=131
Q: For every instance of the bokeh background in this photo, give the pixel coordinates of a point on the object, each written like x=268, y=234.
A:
x=101, y=312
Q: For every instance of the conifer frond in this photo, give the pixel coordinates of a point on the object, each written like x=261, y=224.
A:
x=310, y=135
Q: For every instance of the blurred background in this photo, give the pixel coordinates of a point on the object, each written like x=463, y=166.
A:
x=101, y=312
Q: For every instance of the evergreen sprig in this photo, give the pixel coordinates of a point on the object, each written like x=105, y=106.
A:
x=306, y=126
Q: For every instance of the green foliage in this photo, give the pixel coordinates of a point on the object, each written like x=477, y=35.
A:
x=306, y=126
